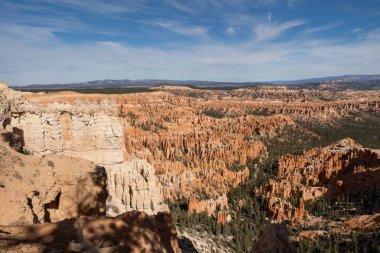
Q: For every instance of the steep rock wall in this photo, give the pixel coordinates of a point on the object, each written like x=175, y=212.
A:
x=52, y=188
x=91, y=129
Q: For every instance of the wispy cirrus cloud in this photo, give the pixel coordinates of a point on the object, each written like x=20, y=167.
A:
x=29, y=34
x=289, y=3
x=323, y=28
x=271, y=30
x=374, y=34
x=94, y=6
x=180, y=6
x=54, y=61
x=230, y=30
x=197, y=31
x=357, y=30
x=292, y=3
x=223, y=40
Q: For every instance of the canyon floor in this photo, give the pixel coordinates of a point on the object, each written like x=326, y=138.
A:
x=174, y=168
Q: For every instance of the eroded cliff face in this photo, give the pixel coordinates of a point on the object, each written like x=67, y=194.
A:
x=195, y=156
x=6, y=97
x=89, y=128
x=208, y=206
x=134, y=185
x=318, y=104
x=48, y=189
x=198, y=141
x=343, y=168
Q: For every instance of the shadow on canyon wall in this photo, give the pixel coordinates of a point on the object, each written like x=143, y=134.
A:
x=187, y=245
x=15, y=139
x=129, y=231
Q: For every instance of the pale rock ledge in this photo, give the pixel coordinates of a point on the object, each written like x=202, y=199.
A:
x=89, y=129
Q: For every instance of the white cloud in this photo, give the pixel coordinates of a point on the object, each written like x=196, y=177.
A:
x=230, y=30
x=180, y=6
x=289, y=3
x=374, y=34
x=29, y=59
x=182, y=29
x=268, y=31
x=357, y=30
x=27, y=33
x=95, y=6
x=269, y=17
x=324, y=27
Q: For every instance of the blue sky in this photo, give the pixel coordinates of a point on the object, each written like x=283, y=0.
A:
x=60, y=41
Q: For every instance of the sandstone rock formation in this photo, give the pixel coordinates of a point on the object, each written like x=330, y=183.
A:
x=134, y=187
x=365, y=222
x=208, y=206
x=198, y=141
x=301, y=103
x=52, y=188
x=342, y=168
x=130, y=232
x=89, y=128
x=313, y=235
x=193, y=154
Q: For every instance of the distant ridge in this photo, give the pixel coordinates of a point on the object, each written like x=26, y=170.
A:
x=347, y=78
x=109, y=83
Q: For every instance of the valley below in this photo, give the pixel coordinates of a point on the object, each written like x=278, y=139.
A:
x=264, y=168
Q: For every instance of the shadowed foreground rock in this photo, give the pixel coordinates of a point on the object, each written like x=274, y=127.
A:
x=130, y=232
x=48, y=189
x=274, y=239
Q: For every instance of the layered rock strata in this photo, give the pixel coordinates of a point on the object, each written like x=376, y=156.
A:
x=198, y=141
x=193, y=154
x=91, y=129
x=343, y=168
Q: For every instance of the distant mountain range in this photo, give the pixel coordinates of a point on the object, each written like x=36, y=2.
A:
x=108, y=83
x=345, y=78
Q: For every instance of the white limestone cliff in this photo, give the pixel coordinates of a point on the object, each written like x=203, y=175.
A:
x=91, y=130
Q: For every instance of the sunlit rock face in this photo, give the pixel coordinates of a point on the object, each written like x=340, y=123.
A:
x=193, y=155
x=88, y=128
x=48, y=189
x=189, y=152
x=134, y=187
x=339, y=169
x=197, y=141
